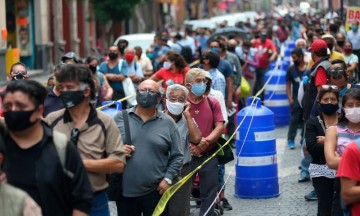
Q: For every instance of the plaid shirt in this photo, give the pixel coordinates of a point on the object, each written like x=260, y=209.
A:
x=218, y=80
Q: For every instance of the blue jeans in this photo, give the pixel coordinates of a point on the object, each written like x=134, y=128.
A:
x=305, y=163
x=221, y=174
x=100, y=205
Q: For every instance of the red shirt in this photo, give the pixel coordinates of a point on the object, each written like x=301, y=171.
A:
x=320, y=77
x=205, y=118
x=177, y=77
x=263, y=51
x=349, y=167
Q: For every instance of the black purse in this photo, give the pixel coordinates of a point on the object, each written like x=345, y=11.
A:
x=225, y=155
x=114, y=191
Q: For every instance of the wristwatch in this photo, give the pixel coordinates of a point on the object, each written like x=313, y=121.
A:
x=168, y=181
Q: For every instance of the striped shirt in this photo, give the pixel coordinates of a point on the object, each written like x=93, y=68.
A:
x=218, y=80
x=345, y=136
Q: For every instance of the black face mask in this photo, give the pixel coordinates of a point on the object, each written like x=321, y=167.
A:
x=330, y=46
x=113, y=56
x=146, y=100
x=310, y=36
x=231, y=49
x=328, y=109
x=296, y=63
x=18, y=120
x=18, y=77
x=340, y=43
x=263, y=38
x=71, y=98
x=92, y=68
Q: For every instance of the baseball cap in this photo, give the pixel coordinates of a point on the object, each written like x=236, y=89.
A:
x=319, y=46
x=328, y=36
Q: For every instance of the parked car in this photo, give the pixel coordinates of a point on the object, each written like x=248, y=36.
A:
x=144, y=40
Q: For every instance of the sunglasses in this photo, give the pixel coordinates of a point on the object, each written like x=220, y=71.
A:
x=327, y=87
x=74, y=136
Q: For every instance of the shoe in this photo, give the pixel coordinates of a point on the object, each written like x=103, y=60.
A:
x=291, y=144
x=226, y=204
x=303, y=179
x=312, y=196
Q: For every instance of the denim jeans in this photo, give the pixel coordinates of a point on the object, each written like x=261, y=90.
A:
x=100, y=206
x=305, y=163
x=221, y=174
x=296, y=117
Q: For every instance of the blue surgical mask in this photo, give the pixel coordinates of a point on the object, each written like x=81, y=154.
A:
x=342, y=91
x=296, y=24
x=198, y=89
x=354, y=27
x=150, y=55
x=216, y=50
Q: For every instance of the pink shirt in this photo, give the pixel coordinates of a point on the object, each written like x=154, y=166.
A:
x=345, y=137
x=205, y=118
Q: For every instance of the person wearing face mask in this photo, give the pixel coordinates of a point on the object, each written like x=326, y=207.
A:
x=155, y=156
x=134, y=68
x=338, y=137
x=251, y=61
x=33, y=161
x=293, y=78
x=296, y=30
x=352, y=62
x=322, y=176
x=18, y=72
x=264, y=47
x=354, y=37
x=340, y=42
x=115, y=71
x=206, y=112
x=301, y=43
x=179, y=110
x=174, y=70
x=14, y=201
x=94, y=133
x=104, y=91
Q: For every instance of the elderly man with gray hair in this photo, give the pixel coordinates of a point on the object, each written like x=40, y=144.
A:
x=179, y=110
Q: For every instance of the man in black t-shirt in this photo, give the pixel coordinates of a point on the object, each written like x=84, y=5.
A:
x=293, y=78
x=52, y=174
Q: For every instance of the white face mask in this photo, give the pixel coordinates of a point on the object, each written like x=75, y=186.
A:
x=167, y=65
x=175, y=108
x=353, y=114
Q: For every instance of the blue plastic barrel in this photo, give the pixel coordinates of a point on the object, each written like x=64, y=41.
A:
x=256, y=165
x=275, y=97
x=283, y=65
x=112, y=109
x=290, y=44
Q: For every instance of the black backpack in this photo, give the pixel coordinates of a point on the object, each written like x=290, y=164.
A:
x=186, y=53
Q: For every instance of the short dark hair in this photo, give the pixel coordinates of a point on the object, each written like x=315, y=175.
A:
x=336, y=75
x=90, y=59
x=17, y=63
x=213, y=58
x=36, y=92
x=77, y=73
x=297, y=51
x=322, y=92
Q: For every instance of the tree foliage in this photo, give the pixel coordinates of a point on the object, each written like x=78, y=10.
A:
x=116, y=10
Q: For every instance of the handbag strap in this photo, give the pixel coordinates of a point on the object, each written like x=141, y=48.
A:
x=322, y=124
x=127, y=127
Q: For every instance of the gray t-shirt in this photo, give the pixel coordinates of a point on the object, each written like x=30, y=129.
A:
x=157, y=154
x=185, y=138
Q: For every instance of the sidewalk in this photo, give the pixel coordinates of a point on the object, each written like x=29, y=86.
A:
x=291, y=199
x=39, y=75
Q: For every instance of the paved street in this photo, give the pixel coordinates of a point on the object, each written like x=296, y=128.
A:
x=291, y=200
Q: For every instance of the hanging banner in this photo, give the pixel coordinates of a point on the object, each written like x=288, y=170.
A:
x=353, y=13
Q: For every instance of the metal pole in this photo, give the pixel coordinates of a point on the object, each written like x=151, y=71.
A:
x=342, y=10
x=86, y=24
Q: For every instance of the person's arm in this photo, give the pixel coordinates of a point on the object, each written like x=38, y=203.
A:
x=350, y=191
x=107, y=165
x=288, y=92
x=78, y=213
x=194, y=132
x=216, y=133
x=157, y=76
x=312, y=132
x=332, y=159
x=115, y=77
x=274, y=54
x=230, y=91
x=31, y=208
x=138, y=76
x=109, y=90
x=351, y=68
x=149, y=70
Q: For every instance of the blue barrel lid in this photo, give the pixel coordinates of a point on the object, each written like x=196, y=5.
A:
x=256, y=109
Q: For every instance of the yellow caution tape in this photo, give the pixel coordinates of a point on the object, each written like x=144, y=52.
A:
x=172, y=190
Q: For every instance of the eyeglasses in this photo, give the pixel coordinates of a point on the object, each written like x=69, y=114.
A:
x=180, y=100
x=327, y=87
x=19, y=72
x=151, y=92
x=74, y=136
x=201, y=81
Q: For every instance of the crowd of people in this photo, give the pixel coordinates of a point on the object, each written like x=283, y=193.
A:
x=61, y=155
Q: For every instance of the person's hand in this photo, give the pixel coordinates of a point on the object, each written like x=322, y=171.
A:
x=108, y=97
x=229, y=104
x=187, y=110
x=195, y=150
x=3, y=178
x=291, y=101
x=163, y=186
x=128, y=149
x=271, y=59
x=320, y=139
x=337, y=155
x=204, y=144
